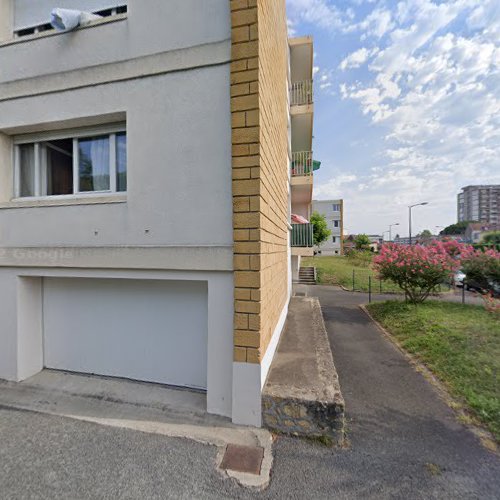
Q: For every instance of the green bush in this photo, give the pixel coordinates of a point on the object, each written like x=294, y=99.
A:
x=360, y=258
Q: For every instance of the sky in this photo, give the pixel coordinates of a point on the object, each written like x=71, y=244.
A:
x=407, y=105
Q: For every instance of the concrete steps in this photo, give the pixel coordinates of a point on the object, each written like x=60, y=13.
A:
x=307, y=275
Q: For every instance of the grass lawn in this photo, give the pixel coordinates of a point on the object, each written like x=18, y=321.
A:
x=459, y=343
x=336, y=270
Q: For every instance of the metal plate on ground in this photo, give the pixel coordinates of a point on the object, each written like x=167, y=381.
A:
x=243, y=459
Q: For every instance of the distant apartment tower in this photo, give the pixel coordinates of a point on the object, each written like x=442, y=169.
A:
x=479, y=204
x=333, y=211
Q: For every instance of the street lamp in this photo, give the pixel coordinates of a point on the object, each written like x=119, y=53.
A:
x=390, y=229
x=409, y=215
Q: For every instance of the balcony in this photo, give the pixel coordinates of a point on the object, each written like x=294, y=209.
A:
x=302, y=235
x=301, y=93
x=303, y=164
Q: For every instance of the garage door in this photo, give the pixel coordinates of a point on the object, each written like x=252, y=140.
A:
x=154, y=331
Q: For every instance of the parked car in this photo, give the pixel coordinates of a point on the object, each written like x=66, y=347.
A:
x=491, y=286
x=458, y=278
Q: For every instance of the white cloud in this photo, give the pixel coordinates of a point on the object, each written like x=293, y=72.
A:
x=357, y=58
x=319, y=12
x=376, y=24
x=433, y=92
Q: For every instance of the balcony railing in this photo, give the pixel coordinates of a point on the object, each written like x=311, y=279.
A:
x=302, y=235
x=302, y=163
x=301, y=93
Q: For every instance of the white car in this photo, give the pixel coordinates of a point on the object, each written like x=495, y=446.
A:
x=458, y=278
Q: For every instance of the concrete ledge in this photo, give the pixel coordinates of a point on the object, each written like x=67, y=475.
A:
x=302, y=395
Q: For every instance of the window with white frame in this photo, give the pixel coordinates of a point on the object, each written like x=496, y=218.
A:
x=335, y=223
x=78, y=163
x=336, y=207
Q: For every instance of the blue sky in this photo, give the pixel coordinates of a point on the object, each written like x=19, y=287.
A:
x=407, y=105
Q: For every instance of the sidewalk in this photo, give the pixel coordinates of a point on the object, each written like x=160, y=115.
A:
x=398, y=426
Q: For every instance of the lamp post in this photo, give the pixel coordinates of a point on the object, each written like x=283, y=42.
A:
x=409, y=216
x=390, y=229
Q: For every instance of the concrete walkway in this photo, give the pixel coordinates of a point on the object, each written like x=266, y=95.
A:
x=406, y=440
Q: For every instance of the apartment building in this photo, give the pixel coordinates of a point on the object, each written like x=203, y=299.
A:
x=303, y=163
x=333, y=211
x=146, y=191
x=479, y=204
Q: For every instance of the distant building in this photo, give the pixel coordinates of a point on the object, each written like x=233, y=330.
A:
x=476, y=230
x=376, y=241
x=479, y=204
x=333, y=211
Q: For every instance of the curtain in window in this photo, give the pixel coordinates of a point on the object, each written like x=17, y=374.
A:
x=27, y=170
x=121, y=162
x=94, y=164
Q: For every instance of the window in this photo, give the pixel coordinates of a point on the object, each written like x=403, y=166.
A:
x=336, y=207
x=335, y=223
x=83, y=163
x=39, y=28
x=334, y=239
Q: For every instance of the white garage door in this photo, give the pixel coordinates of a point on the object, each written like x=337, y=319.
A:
x=154, y=331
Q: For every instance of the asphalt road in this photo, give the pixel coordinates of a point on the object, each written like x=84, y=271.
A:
x=405, y=442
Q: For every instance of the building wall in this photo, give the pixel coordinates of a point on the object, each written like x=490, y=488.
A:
x=325, y=207
x=479, y=203
x=302, y=209
x=260, y=113
x=166, y=73
x=29, y=13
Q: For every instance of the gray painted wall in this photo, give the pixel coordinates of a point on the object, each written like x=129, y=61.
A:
x=178, y=125
x=177, y=108
x=179, y=165
x=163, y=26
x=34, y=12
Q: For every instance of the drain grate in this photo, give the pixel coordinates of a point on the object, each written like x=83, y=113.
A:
x=243, y=458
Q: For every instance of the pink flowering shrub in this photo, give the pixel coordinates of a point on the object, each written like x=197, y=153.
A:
x=482, y=268
x=418, y=269
x=491, y=304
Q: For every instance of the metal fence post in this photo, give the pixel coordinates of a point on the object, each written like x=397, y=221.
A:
x=353, y=278
x=463, y=292
x=380, y=282
x=369, y=289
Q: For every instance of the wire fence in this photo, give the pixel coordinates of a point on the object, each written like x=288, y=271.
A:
x=364, y=280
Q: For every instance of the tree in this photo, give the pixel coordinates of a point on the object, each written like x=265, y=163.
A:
x=362, y=242
x=418, y=269
x=425, y=234
x=320, y=228
x=458, y=228
x=492, y=238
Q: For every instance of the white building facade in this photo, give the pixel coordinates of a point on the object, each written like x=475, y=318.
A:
x=333, y=211
x=132, y=236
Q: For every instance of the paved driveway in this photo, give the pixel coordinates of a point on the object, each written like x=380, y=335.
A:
x=405, y=442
